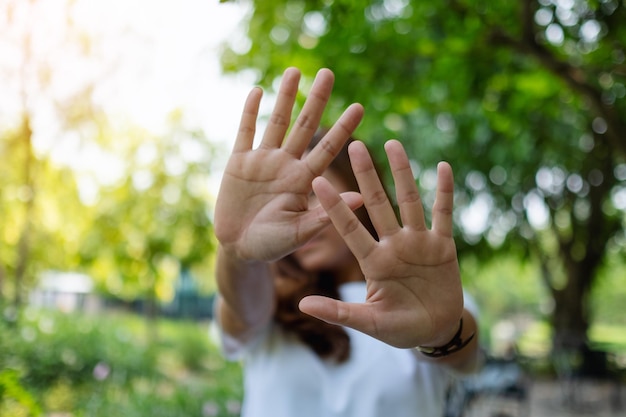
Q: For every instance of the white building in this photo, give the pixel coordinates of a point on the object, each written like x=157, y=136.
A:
x=65, y=291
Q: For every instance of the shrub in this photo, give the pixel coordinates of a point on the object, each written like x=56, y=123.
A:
x=96, y=366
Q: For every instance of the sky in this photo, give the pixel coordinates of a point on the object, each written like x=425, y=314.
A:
x=174, y=61
x=147, y=59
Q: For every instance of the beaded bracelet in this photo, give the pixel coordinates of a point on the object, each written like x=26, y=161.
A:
x=449, y=348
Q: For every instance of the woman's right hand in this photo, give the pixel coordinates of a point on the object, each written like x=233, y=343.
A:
x=262, y=211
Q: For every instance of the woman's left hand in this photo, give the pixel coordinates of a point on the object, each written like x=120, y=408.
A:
x=414, y=292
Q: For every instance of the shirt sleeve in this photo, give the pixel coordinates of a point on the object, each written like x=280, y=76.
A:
x=232, y=348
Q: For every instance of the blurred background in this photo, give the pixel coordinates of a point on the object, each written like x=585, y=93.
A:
x=116, y=119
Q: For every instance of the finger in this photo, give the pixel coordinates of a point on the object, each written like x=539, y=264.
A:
x=444, y=200
x=247, y=125
x=330, y=145
x=376, y=200
x=352, y=199
x=354, y=315
x=309, y=118
x=357, y=237
x=407, y=194
x=280, y=118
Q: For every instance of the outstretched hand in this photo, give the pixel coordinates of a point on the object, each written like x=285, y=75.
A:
x=262, y=208
x=414, y=292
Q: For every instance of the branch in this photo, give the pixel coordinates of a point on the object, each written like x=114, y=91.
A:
x=527, y=15
x=573, y=76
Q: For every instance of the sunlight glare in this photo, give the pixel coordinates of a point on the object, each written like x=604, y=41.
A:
x=140, y=61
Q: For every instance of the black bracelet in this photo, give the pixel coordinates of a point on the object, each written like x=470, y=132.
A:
x=449, y=348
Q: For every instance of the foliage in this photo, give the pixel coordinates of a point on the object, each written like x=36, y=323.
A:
x=102, y=366
x=14, y=397
x=609, y=292
x=132, y=222
x=154, y=222
x=523, y=98
x=509, y=291
x=36, y=194
x=490, y=285
x=53, y=347
x=438, y=76
x=38, y=198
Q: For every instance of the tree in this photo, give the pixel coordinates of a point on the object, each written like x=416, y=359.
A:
x=30, y=179
x=132, y=227
x=523, y=98
x=154, y=223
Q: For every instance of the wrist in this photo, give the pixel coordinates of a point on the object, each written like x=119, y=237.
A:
x=232, y=254
x=231, y=268
x=444, y=335
x=456, y=343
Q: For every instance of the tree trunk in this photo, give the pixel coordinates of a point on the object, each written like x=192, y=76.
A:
x=151, y=308
x=570, y=317
x=23, y=248
x=2, y=279
x=580, y=254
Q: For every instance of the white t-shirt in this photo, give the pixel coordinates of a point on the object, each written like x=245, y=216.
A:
x=285, y=378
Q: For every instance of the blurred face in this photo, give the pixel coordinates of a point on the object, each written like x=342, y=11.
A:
x=288, y=279
x=326, y=251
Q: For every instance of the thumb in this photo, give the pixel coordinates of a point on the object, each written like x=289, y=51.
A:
x=358, y=316
x=317, y=218
x=354, y=315
x=352, y=199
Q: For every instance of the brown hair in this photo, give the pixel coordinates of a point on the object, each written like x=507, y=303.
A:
x=292, y=283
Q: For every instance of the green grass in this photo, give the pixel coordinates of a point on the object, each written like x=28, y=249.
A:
x=611, y=337
x=534, y=346
x=536, y=340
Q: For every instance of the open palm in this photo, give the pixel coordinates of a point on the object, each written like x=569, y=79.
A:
x=414, y=292
x=262, y=209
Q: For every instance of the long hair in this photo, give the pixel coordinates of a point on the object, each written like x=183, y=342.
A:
x=328, y=341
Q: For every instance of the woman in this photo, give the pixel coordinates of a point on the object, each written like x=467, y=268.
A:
x=388, y=293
